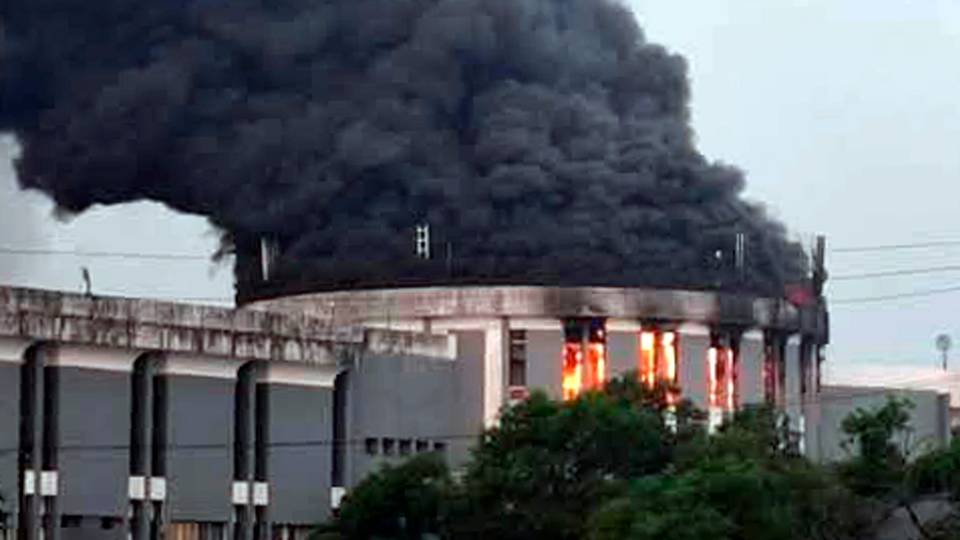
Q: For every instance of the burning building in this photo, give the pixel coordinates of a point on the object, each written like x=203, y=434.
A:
x=494, y=195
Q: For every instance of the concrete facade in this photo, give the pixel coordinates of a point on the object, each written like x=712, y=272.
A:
x=143, y=417
x=929, y=425
x=131, y=419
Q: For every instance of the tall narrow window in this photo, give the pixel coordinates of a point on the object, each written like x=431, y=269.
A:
x=584, y=356
x=721, y=366
x=657, y=358
x=648, y=358
x=518, y=358
x=572, y=377
x=668, y=354
x=596, y=354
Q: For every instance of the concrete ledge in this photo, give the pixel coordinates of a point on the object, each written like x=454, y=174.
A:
x=144, y=325
x=534, y=302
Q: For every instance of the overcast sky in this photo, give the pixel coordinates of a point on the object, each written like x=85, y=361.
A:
x=844, y=115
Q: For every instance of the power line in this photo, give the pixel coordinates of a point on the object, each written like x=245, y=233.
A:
x=896, y=247
x=106, y=254
x=898, y=296
x=891, y=273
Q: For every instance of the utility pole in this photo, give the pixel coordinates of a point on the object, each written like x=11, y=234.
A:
x=943, y=345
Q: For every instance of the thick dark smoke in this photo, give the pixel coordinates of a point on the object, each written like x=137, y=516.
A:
x=544, y=141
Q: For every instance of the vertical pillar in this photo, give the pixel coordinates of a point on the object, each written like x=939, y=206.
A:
x=495, y=357
x=49, y=475
x=792, y=397
x=148, y=448
x=693, y=346
x=243, y=454
x=752, y=367
x=159, y=444
x=31, y=434
x=261, y=478
x=140, y=422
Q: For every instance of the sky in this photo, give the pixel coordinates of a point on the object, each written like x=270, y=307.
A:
x=844, y=115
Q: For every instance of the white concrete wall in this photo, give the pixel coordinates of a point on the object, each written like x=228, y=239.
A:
x=929, y=424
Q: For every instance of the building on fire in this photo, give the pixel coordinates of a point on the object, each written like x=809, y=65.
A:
x=129, y=417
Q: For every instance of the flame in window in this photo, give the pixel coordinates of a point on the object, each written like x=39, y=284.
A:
x=722, y=388
x=572, y=370
x=668, y=343
x=597, y=362
x=648, y=358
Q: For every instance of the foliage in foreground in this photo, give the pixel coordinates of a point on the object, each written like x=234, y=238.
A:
x=607, y=467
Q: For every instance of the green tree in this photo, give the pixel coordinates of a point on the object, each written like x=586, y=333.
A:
x=743, y=483
x=875, y=438
x=548, y=463
x=402, y=502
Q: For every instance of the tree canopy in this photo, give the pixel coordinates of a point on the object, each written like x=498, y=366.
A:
x=629, y=463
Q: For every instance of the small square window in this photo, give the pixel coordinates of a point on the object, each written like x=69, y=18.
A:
x=440, y=447
x=406, y=445
x=371, y=446
x=422, y=446
x=389, y=446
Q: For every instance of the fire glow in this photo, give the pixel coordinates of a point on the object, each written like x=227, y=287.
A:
x=572, y=371
x=721, y=385
x=657, y=358
x=584, y=357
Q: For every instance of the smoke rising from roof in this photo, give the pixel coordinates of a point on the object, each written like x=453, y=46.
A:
x=542, y=140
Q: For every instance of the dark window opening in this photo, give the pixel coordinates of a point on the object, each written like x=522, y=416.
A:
x=371, y=446
x=389, y=446
x=405, y=447
x=422, y=446
x=518, y=358
x=440, y=447
x=70, y=522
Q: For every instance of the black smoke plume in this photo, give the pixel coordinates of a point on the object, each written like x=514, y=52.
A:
x=544, y=141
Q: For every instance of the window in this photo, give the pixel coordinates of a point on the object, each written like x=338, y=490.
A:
x=584, y=356
x=371, y=446
x=657, y=358
x=389, y=446
x=721, y=371
x=440, y=447
x=422, y=446
x=518, y=358
x=405, y=446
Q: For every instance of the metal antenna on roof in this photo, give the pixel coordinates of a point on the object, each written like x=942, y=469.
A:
x=87, y=282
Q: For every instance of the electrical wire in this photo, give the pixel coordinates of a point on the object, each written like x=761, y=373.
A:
x=892, y=273
x=896, y=296
x=896, y=247
x=106, y=254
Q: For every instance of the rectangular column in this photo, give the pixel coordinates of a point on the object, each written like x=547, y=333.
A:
x=693, y=343
x=751, y=368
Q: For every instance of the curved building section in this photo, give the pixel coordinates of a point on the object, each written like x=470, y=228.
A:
x=723, y=350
